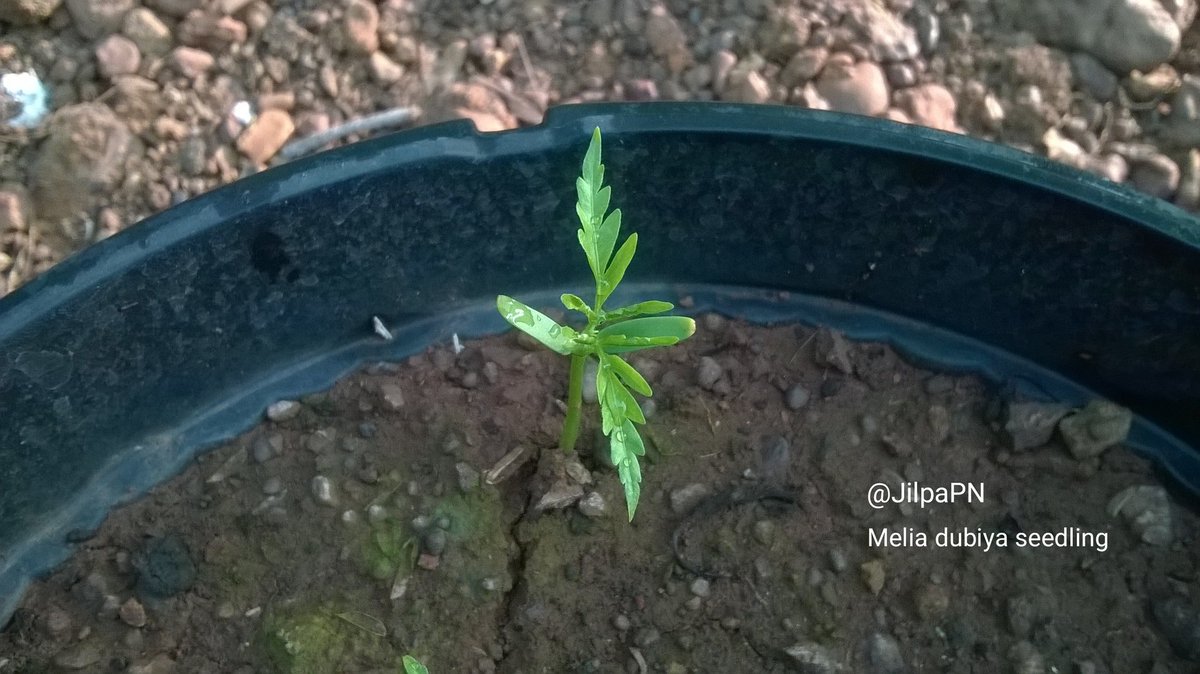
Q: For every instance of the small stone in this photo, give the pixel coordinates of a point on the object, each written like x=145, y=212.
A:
x=838, y=561
x=797, y=397
x=764, y=532
x=164, y=567
x=708, y=373
x=283, y=410
x=322, y=491
x=132, y=613
x=1026, y=659
x=190, y=62
x=832, y=348
x=96, y=18
x=667, y=40
x=468, y=477
x=266, y=135
x=428, y=562
x=857, y=88
x=1156, y=175
x=1094, y=77
x=81, y=656
x=932, y=603
x=883, y=652
x=27, y=12
x=929, y=105
x=873, y=575
x=593, y=505
x=647, y=636
x=1031, y=425
x=14, y=208
x=811, y=658
x=361, y=24
x=393, y=396
x=211, y=32
x=1095, y=428
x=559, y=496
x=1179, y=621
x=622, y=623
x=384, y=70
x=143, y=27
x=263, y=449
x=58, y=624
x=700, y=587
x=85, y=147
x=803, y=66
x=746, y=86
x=939, y=423
x=434, y=541
x=775, y=458
x=686, y=498
x=272, y=486
x=321, y=441
x=1147, y=509
x=159, y=664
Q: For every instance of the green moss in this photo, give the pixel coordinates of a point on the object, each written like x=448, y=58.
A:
x=322, y=640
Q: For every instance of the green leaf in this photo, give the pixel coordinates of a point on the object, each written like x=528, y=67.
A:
x=616, y=269
x=593, y=171
x=576, y=303
x=632, y=378
x=412, y=666
x=622, y=344
x=621, y=402
x=606, y=236
x=625, y=446
x=639, y=309
x=679, y=327
x=541, y=327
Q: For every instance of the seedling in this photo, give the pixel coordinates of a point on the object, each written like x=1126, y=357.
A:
x=608, y=333
x=413, y=666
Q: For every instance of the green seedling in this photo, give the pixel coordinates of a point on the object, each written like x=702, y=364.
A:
x=413, y=666
x=608, y=333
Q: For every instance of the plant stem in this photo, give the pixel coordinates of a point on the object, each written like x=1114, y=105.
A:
x=574, y=404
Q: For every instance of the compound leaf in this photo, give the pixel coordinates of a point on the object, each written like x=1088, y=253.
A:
x=632, y=378
x=639, y=309
x=541, y=327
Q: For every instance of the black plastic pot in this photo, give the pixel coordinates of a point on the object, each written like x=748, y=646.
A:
x=121, y=363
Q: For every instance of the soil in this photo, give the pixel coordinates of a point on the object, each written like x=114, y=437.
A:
x=360, y=524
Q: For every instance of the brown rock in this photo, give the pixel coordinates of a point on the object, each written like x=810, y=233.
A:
x=191, y=63
x=265, y=135
x=84, y=156
x=147, y=31
x=667, y=40
x=483, y=106
x=96, y=18
x=361, y=24
x=175, y=8
x=27, y=12
x=930, y=105
x=746, y=87
x=858, y=88
x=14, y=208
x=803, y=66
x=209, y=31
x=133, y=613
x=384, y=70
x=117, y=55
x=280, y=100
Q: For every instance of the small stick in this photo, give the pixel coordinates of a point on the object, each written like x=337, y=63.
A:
x=368, y=124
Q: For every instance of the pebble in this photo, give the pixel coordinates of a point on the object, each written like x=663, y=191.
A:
x=1031, y=424
x=265, y=135
x=764, y=532
x=321, y=441
x=143, y=27
x=322, y=491
x=647, y=636
x=708, y=373
x=873, y=575
x=283, y=410
x=191, y=62
x=82, y=656
x=746, y=86
x=700, y=587
x=1095, y=428
x=212, y=32
x=932, y=603
x=132, y=613
x=468, y=477
x=838, y=561
x=434, y=541
x=797, y=397
x=361, y=23
x=1147, y=509
x=622, y=623
x=95, y=18
x=392, y=395
x=883, y=652
x=857, y=88
x=803, y=66
x=1179, y=621
x=812, y=658
x=929, y=105
x=1156, y=175
x=666, y=39
x=384, y=70
x=62, y=161
x=1026, y=659
x=164, y=567
x=593, y=505
x=685, y=498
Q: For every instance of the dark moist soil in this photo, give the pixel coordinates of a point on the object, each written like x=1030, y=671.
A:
x=235, y=565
